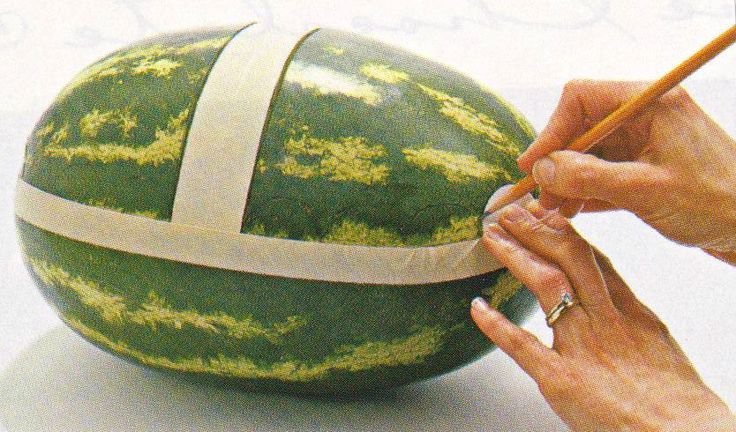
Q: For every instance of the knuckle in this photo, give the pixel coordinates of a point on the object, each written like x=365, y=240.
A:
x=677, y=96
x=559, y=380
x=574, y=86
x=662, y=329
x=557, y=137
x=554, y=279
x=659, y=180
x=577, y=175
x=610, y=321
x=570, y=87
x=513, y=250
x=558, y=222
x=603, y=259
x=574, y=175
x=520, y=339
x=536, y=226
x=572, y=244
x=652, y=321
x=586, y=176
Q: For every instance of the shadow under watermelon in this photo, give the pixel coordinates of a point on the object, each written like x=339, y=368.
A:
x=62, y=383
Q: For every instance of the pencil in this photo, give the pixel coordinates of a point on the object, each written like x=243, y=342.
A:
x=628, y=110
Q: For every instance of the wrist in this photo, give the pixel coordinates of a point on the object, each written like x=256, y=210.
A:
x=714, y=419
x=695, y=408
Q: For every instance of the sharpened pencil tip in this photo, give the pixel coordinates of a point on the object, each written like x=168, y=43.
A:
x=496, y=198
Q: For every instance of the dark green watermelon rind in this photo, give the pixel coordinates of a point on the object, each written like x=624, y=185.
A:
x=114, y=136
x=294, y=335
x=401, y=203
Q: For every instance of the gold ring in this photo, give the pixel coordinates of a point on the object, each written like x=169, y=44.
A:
x=565, y=303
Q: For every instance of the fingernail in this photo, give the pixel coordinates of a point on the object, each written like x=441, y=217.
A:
x=491, y=218
x=498, y=194
x=513, y=213
x=495, y=233
x=533, y=206
x=543, y=171
x=480, y=305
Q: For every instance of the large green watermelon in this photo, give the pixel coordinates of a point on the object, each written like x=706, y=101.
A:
x=366, y=150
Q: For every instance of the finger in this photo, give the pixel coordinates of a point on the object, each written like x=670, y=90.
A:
x=565, y=248
x=630, y=185
x=491, y=218
x=549, y=200
x=551, y=218
x=524, y=348
x=582, y=104
x=535, y=208
x=594, y=206
x=544, y=279
x=571, y=207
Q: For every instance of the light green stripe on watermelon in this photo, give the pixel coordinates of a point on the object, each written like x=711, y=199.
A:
x=520, y=119
x=356, y=233
x=505, y=288
x=471, y=120
x=106, y=204
x=92, y=122
x=334, y=50
x=371, y=355
x=343, y=159
x=44, y=131
x=142, y=60
x=156, y=312
x=383, y=73
x=455, y=108
x=161, y=68
x=457, y=168
x=393, y=148
x=166, y=147
x=116, y=133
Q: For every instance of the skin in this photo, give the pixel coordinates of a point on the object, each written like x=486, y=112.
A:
x=672, y=165
x=613, y=365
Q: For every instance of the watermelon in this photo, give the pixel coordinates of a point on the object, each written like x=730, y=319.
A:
x=332, y=260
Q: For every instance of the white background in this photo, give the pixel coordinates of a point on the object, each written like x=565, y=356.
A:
x=50, y=379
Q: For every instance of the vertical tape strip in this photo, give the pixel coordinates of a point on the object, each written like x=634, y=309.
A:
x=222, y=146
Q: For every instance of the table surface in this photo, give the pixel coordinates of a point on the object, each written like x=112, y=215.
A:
x=52, y=380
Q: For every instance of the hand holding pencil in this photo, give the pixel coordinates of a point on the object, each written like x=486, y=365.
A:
x=654, y=152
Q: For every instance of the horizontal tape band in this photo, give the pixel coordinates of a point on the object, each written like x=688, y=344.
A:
x=249, y=253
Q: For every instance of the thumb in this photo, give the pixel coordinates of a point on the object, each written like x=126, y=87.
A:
x=582, y=104
x=630, y=185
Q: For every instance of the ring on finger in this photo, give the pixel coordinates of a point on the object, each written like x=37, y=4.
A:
x=566, y=302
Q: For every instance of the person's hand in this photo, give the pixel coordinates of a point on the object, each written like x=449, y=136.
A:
x=672, y=165
x=613, y=365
